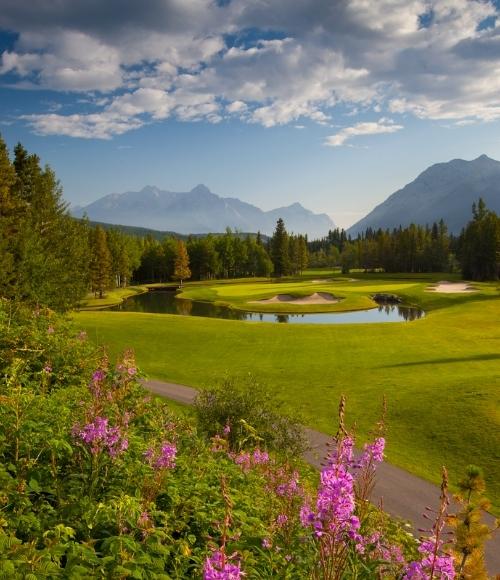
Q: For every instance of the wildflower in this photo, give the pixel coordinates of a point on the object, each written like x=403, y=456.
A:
x=99, y=436
x=227, y=429
x=218, y=567
x=47, y=369
x=372, y=452
x=164, y=459
x=281, y=520
x=267, y=543
x=259, y=457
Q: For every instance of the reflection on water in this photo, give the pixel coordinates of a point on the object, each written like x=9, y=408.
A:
x=166, y=303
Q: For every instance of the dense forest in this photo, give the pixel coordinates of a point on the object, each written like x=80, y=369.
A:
x=44, y=249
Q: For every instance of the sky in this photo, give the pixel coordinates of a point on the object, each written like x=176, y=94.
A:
x=332, y=103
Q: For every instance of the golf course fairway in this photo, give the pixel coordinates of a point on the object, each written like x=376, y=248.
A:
x=440, y=374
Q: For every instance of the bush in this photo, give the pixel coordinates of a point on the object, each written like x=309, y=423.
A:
x=252, y=414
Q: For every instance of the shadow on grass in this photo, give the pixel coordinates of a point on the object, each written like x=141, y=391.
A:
x=476, y=357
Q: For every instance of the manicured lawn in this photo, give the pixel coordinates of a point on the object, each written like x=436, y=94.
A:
x=441, y=374
x=111, y=297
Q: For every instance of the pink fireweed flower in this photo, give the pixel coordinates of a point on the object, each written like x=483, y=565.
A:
x=267, y=543
x=341, y=452
x=260, y=457
x=441, y=564
x=162, y=459
x=218, y=567
x=334, y=510
x=227, y=429
x=47, y=369
x=372, y=453
x=281, y=520
x=132, y=371
x=290, y=487
x=99, y=436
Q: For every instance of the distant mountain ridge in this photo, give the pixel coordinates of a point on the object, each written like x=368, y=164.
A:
x=199, y=211
x=443, y=191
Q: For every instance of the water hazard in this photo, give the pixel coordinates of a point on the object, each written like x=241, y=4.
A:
x=166, y=303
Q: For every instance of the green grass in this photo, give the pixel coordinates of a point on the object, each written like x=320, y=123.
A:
x=441, y=374
x=111, y=298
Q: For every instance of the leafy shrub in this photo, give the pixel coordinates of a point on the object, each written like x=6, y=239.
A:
x=252, y=415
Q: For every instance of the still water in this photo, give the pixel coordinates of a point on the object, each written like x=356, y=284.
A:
x=166, y=303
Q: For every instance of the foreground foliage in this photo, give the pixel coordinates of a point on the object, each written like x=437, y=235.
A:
x=99, y=480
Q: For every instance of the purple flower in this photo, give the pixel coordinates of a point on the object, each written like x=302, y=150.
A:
x=227, y=429
x=282, y=519
x=259, y=457
x=99, y=436
x=372, y=452
x=164, y=459
x=98, y=376
x=440, y=564
x=47, y=369
x=218, y=567
x=267, y=543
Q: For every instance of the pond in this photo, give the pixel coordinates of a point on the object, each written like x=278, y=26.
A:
x=166, y=303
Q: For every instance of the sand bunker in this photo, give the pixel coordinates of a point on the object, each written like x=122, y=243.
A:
x=316, y=298
x=451, y=287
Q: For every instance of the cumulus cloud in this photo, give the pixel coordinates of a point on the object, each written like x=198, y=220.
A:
x=270, y=62
x=368, y=128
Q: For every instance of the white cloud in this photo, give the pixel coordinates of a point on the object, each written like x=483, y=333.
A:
x=360, y=129
x=174, y=60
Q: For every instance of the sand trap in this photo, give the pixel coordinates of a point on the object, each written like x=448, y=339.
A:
x=451, y=287
x=316, y=298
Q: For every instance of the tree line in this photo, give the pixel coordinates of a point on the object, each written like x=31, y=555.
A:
x=49, y=258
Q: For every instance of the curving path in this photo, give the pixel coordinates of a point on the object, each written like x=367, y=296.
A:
x=402, y=494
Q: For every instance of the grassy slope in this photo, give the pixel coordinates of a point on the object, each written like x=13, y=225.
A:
x=112, y=297
x=441, y=374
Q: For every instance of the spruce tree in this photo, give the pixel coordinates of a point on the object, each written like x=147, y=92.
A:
x=10, y=216
x=100, y=268
x=279, y=249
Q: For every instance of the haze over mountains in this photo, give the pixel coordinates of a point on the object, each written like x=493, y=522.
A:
x=200, y=211
x=443, y=191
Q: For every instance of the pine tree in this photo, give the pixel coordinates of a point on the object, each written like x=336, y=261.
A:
x=181, y=269
x=470, y=532
x=100, y=268
x=279, y=249
x=10, y=216
x=480, y=245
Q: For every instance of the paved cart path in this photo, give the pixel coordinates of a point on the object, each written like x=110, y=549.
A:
x=403, y=495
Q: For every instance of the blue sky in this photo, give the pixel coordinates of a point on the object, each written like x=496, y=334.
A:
x=335, y=104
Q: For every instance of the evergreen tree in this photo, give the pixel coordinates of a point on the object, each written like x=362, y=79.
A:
x=480, y=245
x=303, y=254
x=48, y=254
x=10, y=217
x=279, y=249
x=470, y=532
x=181, y=269
x=100, y=268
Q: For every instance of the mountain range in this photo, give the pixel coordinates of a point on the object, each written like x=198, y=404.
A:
x=199, y=211
x=443, y=191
